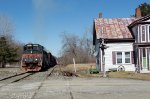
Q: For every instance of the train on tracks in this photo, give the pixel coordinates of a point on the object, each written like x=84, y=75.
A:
x=36, y=58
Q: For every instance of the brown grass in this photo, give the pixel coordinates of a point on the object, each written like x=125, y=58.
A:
x=130, y=75
x=82, y=71
x=79, y=67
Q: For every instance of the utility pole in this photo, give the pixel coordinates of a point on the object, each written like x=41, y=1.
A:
x=74, y=64
x=103, y=63
x=103, y=47
x=74, y=61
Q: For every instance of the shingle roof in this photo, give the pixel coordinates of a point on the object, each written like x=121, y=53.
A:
x=113, y=28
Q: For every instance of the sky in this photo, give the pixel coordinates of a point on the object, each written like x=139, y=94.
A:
x=43, y=21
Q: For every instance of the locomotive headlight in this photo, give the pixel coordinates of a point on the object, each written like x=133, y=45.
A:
x=36, y=59
x=24, y=59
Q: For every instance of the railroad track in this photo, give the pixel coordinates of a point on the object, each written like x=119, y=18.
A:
x=64, y=75
x=22, y=76
x=48, y=74
x=69, y=89
x=12, y=76
x=15, y=78
x=43, y=76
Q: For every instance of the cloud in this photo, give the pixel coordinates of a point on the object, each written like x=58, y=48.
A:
x=44, y=5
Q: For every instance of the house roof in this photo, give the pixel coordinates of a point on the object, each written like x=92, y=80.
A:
x=140, y=20
x=113, y=28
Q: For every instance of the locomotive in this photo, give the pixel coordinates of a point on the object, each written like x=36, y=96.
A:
x=36, y=58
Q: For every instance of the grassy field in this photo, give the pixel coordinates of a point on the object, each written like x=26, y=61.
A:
x=82, y=70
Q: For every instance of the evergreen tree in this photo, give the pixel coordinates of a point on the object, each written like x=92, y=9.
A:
x=7, y=53
x=145, y=9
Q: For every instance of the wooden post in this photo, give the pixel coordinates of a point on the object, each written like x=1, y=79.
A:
x=103, y=63
x=103, y=58
x=74, y=65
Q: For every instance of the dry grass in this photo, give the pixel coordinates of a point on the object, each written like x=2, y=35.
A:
x=79, y=67
x=82, y=71
x=130, y=75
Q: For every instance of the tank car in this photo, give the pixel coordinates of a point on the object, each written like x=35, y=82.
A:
x=36, y=58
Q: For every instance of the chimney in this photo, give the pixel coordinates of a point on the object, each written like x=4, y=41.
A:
x=138, y=13
x=100, y=15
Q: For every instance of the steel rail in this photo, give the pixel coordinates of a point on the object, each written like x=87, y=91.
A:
x=12, y=76
x=16, y=80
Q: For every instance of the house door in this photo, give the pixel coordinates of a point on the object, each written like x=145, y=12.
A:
x=144, y=58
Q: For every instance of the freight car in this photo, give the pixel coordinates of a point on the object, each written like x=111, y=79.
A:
x=36, y=58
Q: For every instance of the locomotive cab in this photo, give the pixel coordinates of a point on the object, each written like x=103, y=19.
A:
x=36, y=58
x=32, y=57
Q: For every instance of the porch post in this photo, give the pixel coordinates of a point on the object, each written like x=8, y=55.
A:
x=137, y=67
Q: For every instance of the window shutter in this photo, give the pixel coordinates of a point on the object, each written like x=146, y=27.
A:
x=132, y=57
x=114, y=58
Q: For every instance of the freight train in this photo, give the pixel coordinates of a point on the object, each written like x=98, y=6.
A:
x=36, y=58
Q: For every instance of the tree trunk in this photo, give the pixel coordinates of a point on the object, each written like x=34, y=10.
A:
x=3, y=64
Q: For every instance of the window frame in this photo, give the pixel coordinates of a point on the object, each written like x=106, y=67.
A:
x=148, y=31
x=123, y=57
x=117, y=57
x=141, y=33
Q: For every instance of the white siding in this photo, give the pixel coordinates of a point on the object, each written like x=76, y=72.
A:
x=123, y=47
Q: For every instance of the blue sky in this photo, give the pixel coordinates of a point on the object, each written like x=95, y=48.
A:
x=43, y=21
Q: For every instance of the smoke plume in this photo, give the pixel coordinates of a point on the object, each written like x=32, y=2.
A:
x=42, y=9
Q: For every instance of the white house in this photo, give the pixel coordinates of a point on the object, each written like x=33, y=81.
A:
x=141, y=31
x=113, y=44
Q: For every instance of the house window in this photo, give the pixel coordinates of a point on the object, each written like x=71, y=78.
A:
x=143, y=33
x=127, y=57
x=123, y=57
x=119, y=57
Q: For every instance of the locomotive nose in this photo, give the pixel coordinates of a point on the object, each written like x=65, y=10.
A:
x=31, y=59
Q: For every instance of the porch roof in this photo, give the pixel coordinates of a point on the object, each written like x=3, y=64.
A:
x=139, y=20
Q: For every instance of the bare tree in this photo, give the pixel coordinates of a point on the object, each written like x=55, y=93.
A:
x=69, y=47
x=6, y=27
x=76, y=47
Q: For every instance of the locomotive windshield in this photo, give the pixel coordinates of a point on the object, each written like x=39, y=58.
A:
x=33, y=49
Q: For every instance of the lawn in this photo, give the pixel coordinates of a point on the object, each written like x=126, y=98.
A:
x=82, y=70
